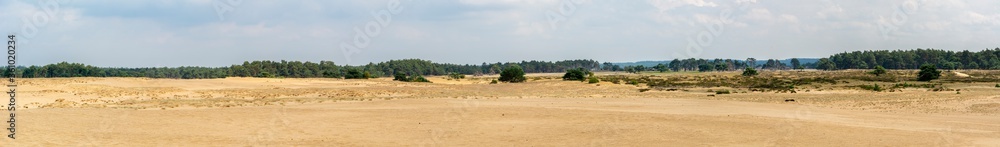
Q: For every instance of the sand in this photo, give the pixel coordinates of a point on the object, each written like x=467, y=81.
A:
x=470, y=112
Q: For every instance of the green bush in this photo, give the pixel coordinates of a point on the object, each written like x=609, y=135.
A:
x=404, y=78
x=879, y=71
x=875, y=88
x=706, y=68
x=456, y=76
x=399, y=77
x=633, y=82
x=493, y=82
x=575, y=75
x=928, y=72
x=998, y=86
x=750, y=72
x=265, y=75
x=722, y=92
x=593, y=80
x=908, y=85
x=512, y=74
x=419, y=78
x=355, y=73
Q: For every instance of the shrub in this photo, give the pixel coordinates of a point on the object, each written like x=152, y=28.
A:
x=633, y=82
x=354, y=73
x=512, y=74
x=456, y=76
x=879, y=70
x=998, y=86
x=593, y=80
x=399, y=77
x=928, y=72
x=722, y=92
x=705, y=68
x=419, y=78
x=872, y=88
x=493, y=82
x=404, y=78
x=575, y=75
x=750, y=72
x=265, y=75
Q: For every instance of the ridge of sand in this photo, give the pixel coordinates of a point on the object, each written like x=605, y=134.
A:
x=469, y=112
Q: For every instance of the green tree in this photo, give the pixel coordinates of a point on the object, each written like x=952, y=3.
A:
x=631, y=69
x=705, y=68
x=512, y=74
x=825, y=64
x=399, y=77
x=879, y=71
x=749, y=72
x=721, y=66
x=354, y=73
x=928, y=72
x=972, y=65
x=265, y=75
x=795, y=63
x=661, y=67
x=675, y=65
x=574, y=75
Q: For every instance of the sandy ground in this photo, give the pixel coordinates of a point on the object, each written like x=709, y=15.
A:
x=471, y=112
x=960, y=74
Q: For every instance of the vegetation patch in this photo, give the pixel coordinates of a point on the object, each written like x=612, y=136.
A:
x=512, y=74
x=593, y=80
x=578, y=74
x=404, y=78
x=874, y=87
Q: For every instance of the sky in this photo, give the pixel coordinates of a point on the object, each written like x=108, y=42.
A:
x=130, y=33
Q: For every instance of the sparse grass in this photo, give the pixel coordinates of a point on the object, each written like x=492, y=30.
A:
x=874, y=87
x=593, y=80
x=788, y=81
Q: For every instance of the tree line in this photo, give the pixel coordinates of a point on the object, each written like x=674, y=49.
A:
x=897, y=59
x=912, y=59
x=297, y=69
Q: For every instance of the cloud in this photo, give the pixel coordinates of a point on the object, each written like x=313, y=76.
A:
x=980, y=19
x=190, y=33
x=667, y=5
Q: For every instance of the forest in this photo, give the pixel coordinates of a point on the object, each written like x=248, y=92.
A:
x=896, y=59
x=912, y=59
x=296, y=69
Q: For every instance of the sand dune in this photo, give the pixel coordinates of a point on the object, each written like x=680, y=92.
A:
x=543, y=112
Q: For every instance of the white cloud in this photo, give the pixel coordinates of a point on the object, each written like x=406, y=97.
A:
x=667, y=5
x=977, y=18
x=508, y=2
x=145, y=33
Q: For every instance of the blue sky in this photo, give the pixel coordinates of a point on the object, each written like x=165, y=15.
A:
x=130, y=33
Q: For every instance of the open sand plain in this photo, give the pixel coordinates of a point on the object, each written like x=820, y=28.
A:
x=471, y=112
